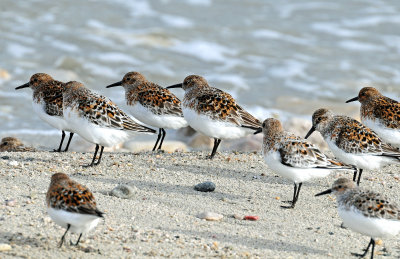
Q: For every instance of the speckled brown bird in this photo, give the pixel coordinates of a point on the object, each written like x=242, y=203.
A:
x=72, y=206
x=380, y=113
x=214, y=112
x=48, y=103
x=365, y=212
x=352, y=142
x=97, y=119
x=11, y=144
x=294, y=158
x=152, y=104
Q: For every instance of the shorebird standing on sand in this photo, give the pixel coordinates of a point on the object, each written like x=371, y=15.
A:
x=97, y=119
x=380, y=113
x=352, y=142
x=213, y=112
x=72, y=206
x=151, y=104
x=47, y=103
x=294, y=158
x=365, y=212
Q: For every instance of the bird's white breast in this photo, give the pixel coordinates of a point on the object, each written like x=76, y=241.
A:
x=297, y=175
x=160, y=121
x=391, y=136
x=80, y=223
x=214, y=128
x=373, y=227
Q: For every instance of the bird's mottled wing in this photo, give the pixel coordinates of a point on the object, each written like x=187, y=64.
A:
x=388, y=112
x=296, y=152
x=73, y=197
x=220, y=105
x=159, y=100
x=373, y=205
x=354, y=137
x=101, y=111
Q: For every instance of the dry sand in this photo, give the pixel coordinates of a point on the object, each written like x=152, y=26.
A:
x=160, y=219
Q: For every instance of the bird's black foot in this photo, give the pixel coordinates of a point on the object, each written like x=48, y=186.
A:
x=89, y=165
x=359, y=255
x=288, y=207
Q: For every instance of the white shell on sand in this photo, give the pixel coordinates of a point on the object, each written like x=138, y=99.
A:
x=210, y=216
x=5, y=247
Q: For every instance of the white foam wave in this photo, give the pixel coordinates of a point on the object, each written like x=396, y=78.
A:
x=289, y=69
x=335, y=29
x=117, y=57
x=176, y=21
x=18, y=50
x=360, y=46
x=15, y=132
x=269, y=34
x=203, y=50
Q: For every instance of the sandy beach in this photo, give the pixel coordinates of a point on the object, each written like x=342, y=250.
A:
x=160, y=219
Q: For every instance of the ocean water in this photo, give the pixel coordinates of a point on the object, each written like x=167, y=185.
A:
x=282, y=58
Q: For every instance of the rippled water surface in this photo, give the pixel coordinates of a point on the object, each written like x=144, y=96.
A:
x=284, y=57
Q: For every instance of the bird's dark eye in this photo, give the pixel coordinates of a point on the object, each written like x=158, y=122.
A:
x=263, y=124
x=35, y=80
x=339, y=186
x=362, y=94
x=128, y=78
x=318, y=119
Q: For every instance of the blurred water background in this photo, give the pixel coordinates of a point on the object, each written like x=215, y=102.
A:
x=278, y=58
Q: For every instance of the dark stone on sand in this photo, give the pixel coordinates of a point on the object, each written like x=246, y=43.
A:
x=205, y=187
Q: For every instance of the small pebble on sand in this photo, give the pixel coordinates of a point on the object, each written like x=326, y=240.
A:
x=123, y=191
x=205, y=187
x=5, y=247
x=210, y=216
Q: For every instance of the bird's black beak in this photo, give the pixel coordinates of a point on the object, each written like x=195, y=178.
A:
x=258, y=131
x=352, y=100
x=115, y=84
x=324, y=192
x=175, y=86
x=310, y=132
x=22, y=86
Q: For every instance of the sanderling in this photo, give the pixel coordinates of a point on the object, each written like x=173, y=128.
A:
x=11, y=144
x=293, y=157
x=381, y=114
x=214, y=112
x=152, y=104
x=97, y=119
x=71, y=205
x=352, y=142
x=365, y=212
x=47, y=103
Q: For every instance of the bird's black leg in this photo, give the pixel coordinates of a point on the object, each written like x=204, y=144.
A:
x=71, y=134
x=355, y=174
x=79, y=239
x=158, y=139
x=298, y=192
x=293, y=202
x=162, y=139
x=372, y=242
x=94, y=156
x=359, y=176
x=101, y=153
x=62, y=140
x=216, y=144
x=63, y=237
